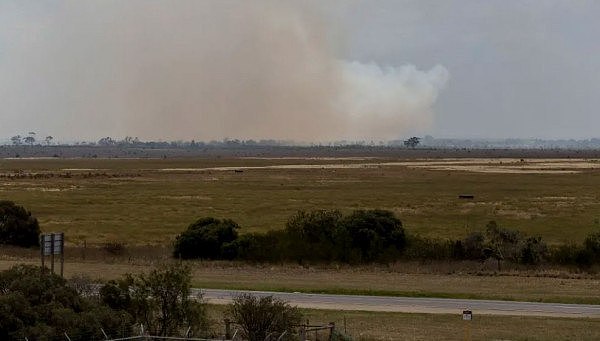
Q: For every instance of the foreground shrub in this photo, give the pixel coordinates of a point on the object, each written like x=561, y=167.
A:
x=38, y=305
x=260, y=317
x=17, y=226
x=160, y=301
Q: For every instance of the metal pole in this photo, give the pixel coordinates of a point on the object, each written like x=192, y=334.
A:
x=62, y=253
x=227, y=328
x=42, y=246
x=52, y=252
x=302, y=333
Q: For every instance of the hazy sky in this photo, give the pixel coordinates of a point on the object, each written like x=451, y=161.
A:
x=303, y=70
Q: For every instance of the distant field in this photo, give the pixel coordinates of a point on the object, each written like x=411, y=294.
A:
x=149, y=201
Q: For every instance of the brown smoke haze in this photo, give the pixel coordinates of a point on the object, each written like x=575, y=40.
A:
x=199, y=70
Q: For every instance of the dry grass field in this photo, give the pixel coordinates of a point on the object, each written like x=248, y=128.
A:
x=149, y=201
x=397, y=326
x=363, y=326
x=144, y=203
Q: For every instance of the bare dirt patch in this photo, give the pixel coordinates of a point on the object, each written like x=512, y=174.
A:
x=506, y=166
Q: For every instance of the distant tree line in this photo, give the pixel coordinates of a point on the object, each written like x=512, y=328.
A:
x=365, y=236
x=29, y=139
x=428, y=141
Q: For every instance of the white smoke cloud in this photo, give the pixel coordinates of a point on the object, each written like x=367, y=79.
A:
x=384, y=102
x=197, y=69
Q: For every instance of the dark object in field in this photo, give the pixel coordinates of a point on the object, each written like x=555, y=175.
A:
x=239, y=171
x=466, y=196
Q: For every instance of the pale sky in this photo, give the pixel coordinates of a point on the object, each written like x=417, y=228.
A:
x=518, y=68
x=303, y=70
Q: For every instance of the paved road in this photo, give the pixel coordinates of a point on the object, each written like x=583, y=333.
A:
x=413, y=304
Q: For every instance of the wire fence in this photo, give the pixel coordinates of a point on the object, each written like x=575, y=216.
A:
x=231, y=332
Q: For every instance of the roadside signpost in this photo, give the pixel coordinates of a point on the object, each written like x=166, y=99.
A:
x=53, y=244
x=467, y=316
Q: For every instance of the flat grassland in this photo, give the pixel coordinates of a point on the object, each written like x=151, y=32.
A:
x=150, y=201
x=398, y=326
x=141, y=202
x=363, y=326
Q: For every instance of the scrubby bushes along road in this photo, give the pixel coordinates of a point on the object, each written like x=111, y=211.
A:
x=38, y=305
x=371, y=236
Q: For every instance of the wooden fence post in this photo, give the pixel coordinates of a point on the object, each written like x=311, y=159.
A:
x=227, y=328
x=331, y=330
x=302, y=333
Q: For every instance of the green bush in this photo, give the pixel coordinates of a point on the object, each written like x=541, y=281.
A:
x=312, y=235
x=532, y=250
x=372, y=233
x=365, y=236
x=260, y=317
x=160, y=300
x=206, y=238
x=17, y=226
x=473, y=246
x=42, y=306
x=260, y=247
x=431, y=248
x=592, y=244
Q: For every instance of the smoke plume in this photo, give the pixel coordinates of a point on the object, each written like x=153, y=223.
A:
x=198, y=70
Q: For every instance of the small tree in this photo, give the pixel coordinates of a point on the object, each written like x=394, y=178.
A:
x=106, y=141
x=17, y=226
x=260, y=317
x=48, y=140
x=159, y=300
x=412, y=142
x=39, y=305
x=16, y=140
x=30, y=139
